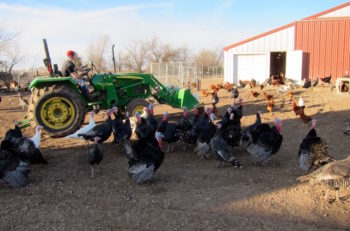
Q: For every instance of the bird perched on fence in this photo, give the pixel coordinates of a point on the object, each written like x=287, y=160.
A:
x=313, y=150
x=85, y=129
x=95, y=154
x=22, y=102
x=334, y=176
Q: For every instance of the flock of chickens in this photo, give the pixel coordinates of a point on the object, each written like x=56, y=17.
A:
x=145, y=153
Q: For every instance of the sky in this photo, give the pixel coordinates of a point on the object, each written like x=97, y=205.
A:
x=214, y=24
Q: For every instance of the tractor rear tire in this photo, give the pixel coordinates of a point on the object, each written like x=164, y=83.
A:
x=136, y=105
x=58, y=109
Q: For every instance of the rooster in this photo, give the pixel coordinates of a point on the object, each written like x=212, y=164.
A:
x=270, y=106
x=254, y=94
x=267, y=97
x=297, y=109
x=305, y=118
x=204, y=93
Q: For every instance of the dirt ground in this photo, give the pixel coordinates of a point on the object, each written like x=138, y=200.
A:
x=186, y=193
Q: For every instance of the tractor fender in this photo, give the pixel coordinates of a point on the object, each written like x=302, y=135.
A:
x=41, y=82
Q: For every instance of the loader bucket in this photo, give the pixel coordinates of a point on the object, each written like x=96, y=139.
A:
x=184, y=97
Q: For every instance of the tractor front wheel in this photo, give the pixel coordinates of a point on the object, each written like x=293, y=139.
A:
x=136, y=105
x=58, y=109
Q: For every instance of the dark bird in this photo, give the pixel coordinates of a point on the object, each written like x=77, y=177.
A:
x=22, y=102
x=215, y=98
x=144, y=158
x=121, y=130
x=95, y=154
x=326, y=79
x=206, y=131
x=196, y=115
x=151, y=119
x=221, y=150
x=14, y=133
x=168, y=132
x=266, y=141
x=26, y=149
x=102, y=130
x=247, y=133
x=14, y=171
x=314, y=82
x=313, y=150
x=184, y=124
x=144, y=130
x=231, y=130
x=306, y=83
x=334, y=176
x=235, y=93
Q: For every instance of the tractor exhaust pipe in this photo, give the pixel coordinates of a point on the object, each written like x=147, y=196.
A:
x=47, y=60
x=115, y=71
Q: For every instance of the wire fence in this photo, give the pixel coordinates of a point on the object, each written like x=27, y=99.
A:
x=180, y=74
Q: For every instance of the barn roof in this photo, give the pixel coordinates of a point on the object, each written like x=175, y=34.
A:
x=315, y=16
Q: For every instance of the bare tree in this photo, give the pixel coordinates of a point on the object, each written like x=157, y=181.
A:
x=96, y=53
x=136, y=55
x=161, y=52
x=206, y=58
x=183, y=54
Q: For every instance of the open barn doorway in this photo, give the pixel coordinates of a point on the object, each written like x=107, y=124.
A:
x=278, y=64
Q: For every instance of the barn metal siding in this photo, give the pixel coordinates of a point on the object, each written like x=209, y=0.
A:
x=326, y=44
x=343, y=12
x=282, y=40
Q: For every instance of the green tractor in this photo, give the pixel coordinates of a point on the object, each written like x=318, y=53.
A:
x=58, y=104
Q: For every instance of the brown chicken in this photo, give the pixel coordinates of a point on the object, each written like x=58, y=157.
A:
x=213, y=87
x=297, y=109
x=270, y=105
x=290, y=95
x=261, y=86
x=306, y=119
x=219, y=86
x=204, y=93
x=228, y=86
x=194, y=85
x=267, y=97
x=254, y=94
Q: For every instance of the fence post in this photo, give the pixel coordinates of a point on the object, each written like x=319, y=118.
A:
x=166, y=74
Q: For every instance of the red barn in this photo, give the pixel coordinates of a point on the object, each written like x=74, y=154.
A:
x=316, y=46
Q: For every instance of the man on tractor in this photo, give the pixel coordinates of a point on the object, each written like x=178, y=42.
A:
x=69, y=69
